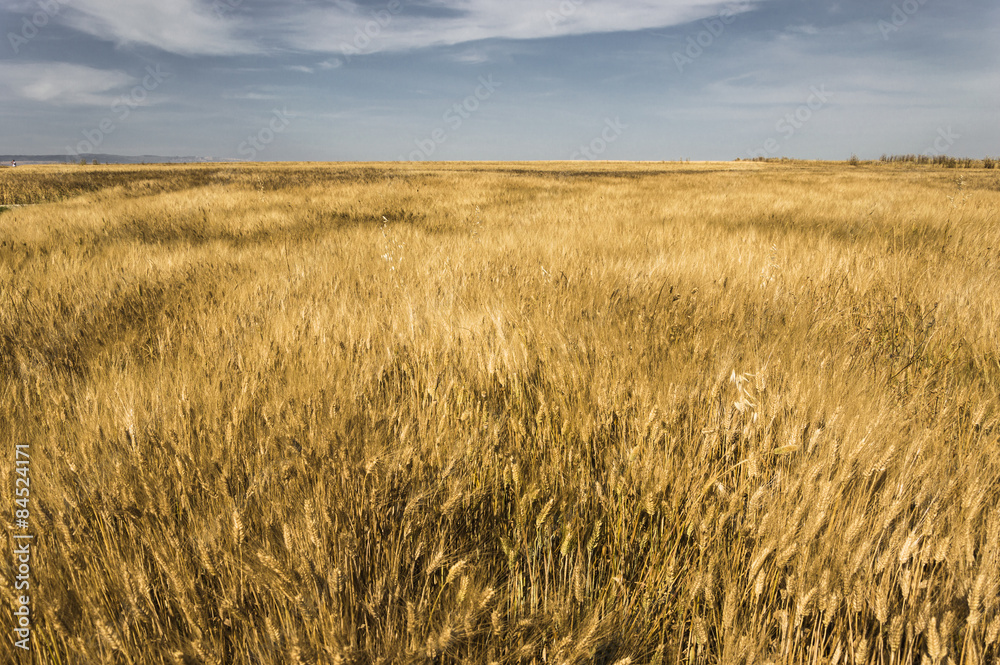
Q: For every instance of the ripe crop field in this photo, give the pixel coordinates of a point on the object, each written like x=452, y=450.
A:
x=550, y=413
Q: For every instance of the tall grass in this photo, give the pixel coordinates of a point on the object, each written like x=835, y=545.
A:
x=737, y=413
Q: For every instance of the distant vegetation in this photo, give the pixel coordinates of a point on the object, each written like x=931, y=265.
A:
x=473, y=413
x=939, y=160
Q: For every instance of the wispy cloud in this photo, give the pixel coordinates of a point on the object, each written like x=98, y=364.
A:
x=805, y=29
x=250, y=96
x=186, y=27
x=373, y=27
x=470, y=57
x=197, y=27
x=61, y=83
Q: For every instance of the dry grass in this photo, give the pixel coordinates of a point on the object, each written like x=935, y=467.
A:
x=700, y=413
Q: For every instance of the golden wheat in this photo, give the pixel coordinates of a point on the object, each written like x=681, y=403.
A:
x=709, y=413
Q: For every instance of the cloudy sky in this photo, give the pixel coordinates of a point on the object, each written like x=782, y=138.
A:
x=500, y=79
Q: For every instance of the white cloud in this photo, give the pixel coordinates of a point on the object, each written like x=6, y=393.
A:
x=61, y=83
x=250, y=96
x=186, y=27
x=471, y=57
x=227, y=27
x=374, y=28
x=805, y=29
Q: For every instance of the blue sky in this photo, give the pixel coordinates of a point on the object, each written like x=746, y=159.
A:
x=500, y=79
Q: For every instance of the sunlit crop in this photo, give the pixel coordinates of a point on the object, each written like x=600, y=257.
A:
x=551, y=413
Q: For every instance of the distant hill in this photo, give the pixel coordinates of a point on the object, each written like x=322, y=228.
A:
x=103, y=159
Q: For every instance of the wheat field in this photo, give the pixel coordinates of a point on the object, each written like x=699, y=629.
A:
x=504, y=413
